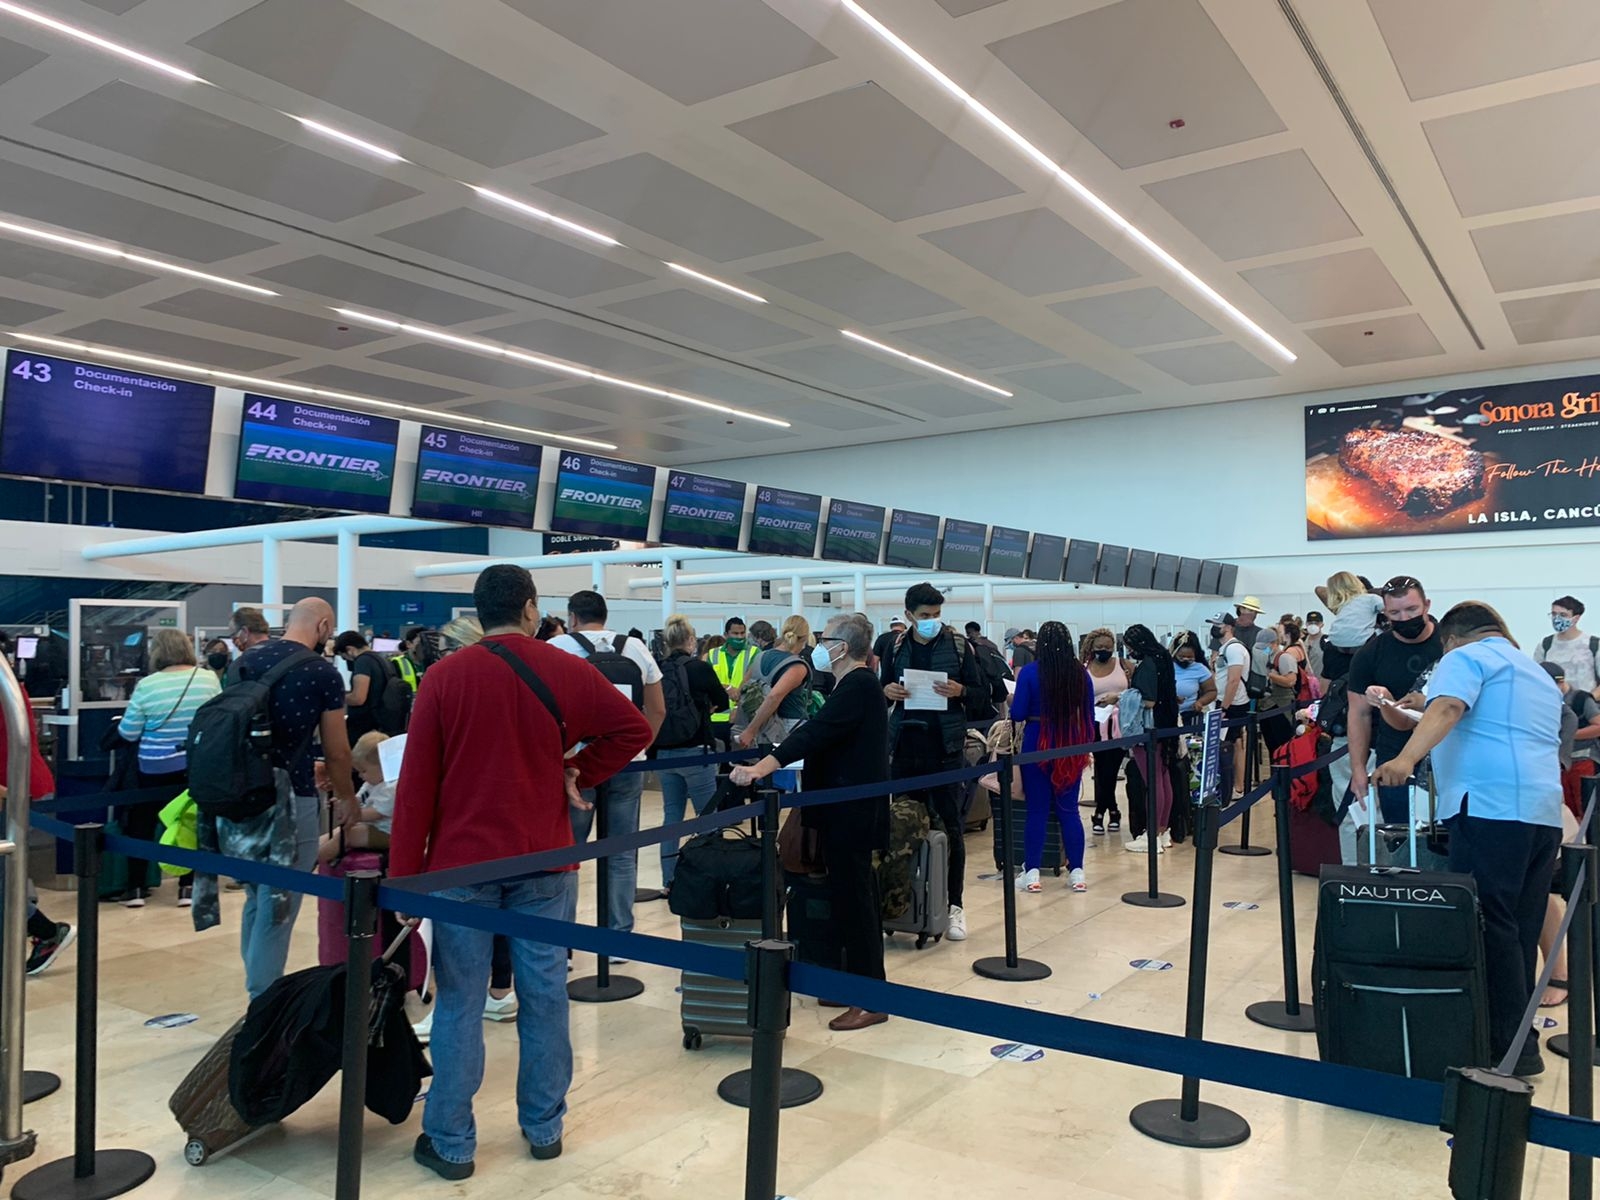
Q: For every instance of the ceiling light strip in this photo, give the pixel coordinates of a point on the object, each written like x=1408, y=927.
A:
x=549, y=364
x=923, y=362
x=85, y=246
x=540, y=214
x=1078, y=188
x=93, y=39
x=349, y=139
x=716, y=283
x=296, y=389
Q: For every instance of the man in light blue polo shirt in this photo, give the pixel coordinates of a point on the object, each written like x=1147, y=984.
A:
x=1493, y=726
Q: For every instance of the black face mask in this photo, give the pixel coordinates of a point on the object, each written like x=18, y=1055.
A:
x=219, y=660
x=1411, y=627
x=1102, y=656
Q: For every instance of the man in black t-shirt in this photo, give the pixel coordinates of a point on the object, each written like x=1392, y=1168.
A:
x=1389, y=667
x=368, y=675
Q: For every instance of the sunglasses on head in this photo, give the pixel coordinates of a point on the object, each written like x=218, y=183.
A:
x=1399, y=586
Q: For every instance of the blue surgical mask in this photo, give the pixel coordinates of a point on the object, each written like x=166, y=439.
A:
x=928, y=630
x=1561, y=624
x=820, y=658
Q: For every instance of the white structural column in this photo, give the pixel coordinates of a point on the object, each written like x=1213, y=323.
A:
x=348, y=615
x=669, y=589
x=597, y=577
x=861, y=592
x=798, y=596
x=988, y=604
x=271, y=571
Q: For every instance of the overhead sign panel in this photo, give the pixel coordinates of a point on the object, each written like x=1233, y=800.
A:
x=603, y=497
x=291, y=452
x=703, y=510
x=475, y=477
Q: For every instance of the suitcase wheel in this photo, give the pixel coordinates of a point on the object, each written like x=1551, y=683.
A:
x=692, y=1039
x=1058, y=872
x=922, y=940
x=196, y=1152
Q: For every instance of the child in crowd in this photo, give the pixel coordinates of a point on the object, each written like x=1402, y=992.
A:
x=376, y=798
x=1355, y=610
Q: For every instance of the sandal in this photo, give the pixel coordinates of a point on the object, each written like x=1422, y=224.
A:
x=1555, y=983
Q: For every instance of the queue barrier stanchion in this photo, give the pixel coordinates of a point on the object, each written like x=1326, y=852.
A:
x=1580, y=1005
x=1560, y=1044
x=795, y=1087
x=1152, y=896
x=1487, y=1115
x=767, y=971
x=90, y=1174
x=1010, y=967
x=1252, y=756
x=1190, y=1121
x=1286, y=1014
x=603, y=987
x=360, y=926
x=36, y=1085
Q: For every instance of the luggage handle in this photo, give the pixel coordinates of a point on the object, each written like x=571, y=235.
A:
x=405, y=931
x=1374, y=812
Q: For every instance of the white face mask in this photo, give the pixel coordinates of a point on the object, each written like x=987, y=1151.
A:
x=1313, y=629
x=821, y=659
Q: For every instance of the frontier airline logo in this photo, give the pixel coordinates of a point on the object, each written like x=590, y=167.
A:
x=262, y=452
x=603, y=499
x=463, y=479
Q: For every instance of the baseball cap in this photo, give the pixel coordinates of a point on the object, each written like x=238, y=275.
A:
x=1228, y=618
x=1555, y=670
x=1251, y=603
x=1012, y=634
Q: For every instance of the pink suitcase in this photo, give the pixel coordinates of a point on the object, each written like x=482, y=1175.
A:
x=331, y=940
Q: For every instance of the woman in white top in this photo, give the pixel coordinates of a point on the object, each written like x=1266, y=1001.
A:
x=1110, y=676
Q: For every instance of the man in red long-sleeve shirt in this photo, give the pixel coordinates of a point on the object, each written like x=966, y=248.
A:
x=486, y=776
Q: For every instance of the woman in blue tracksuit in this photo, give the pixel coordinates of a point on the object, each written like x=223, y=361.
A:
x=1055, y=697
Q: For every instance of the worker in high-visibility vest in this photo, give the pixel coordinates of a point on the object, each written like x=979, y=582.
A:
x=730, y=661
x=408, y=662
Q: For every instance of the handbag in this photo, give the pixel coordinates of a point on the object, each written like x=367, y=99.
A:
x=1005, y=737
x=800, y=847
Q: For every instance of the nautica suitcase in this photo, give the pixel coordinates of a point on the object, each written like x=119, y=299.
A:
x=929, y=914
x=1398, y=974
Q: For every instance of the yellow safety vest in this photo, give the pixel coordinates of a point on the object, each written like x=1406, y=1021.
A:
x=730, y=673
x=407, y=669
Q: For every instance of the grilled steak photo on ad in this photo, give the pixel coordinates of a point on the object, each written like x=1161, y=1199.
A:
x=1423, y=473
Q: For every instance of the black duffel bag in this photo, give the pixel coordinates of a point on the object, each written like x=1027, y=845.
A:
x=719, y=873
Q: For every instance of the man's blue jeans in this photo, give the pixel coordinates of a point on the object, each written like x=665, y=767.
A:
x=461, y=976
x=620, y=796
x=681, y=786
x=263, y=943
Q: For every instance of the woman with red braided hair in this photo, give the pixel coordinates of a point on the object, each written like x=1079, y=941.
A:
x=1055, y=700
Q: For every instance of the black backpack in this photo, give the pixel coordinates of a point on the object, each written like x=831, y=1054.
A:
x=230, y=746
x=391, y=707
x=615, y=666
x=685, y=715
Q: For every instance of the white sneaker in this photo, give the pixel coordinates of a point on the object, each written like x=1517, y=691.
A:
x=1075, y=881
x=1028, y=881
x=1166, y=841
x=424, y=1028
x=1138, y=845
x=957, y=932
x=500, y=1010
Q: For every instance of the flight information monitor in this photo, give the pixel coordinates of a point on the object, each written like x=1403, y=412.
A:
x=962, y=547
x=78, y=422
x=913, y=540
x=854, y=533
x=1113, y=568
x=296, y=453
x=475, y=477
x=1166, y=578
x=1082, y=558
x=1210, y=577
x=1227, y=579
x=603, y=497
x=1188, y=574
x=1008, y=552
x=785, y=522
x=703, y=510
x=1047, y=557
x=1141, y=568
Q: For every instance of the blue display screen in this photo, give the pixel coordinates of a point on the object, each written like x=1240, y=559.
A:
x=913, y=539
x=1008, y=552
x=296, y=453
x=84, y=423
x=475, y=477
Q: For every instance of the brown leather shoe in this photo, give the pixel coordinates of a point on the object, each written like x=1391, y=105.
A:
x=831, y=1004
x=856, y=1018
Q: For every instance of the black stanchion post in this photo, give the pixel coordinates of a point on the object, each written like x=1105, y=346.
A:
x=1152, y=896
x=1251, y=756
x=603, y=987
x=360, y=926
x=1011, y=968
x=1288, y=1014
x=89, y=1174
x=795, y=1087
x=767, y=969
x=1190, y=1121
x=1580, y=1011
x=1488, y=1115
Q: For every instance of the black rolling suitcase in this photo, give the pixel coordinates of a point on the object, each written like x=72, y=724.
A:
x=1398, y=973
x=1053, y=860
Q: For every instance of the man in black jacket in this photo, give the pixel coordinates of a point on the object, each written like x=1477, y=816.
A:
x=927, y=741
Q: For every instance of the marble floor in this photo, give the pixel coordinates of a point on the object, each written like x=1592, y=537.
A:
x=907, y=1107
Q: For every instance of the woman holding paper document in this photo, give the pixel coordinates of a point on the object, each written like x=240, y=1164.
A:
x=1055, y=700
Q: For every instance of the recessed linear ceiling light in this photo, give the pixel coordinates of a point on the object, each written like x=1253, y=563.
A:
x=539, y=214
x=922, y=362
x=298, y=389
x=92, y=39
x=349, y=139
x=716, y=283
x=1055, y=169
x=105, y=251
x=550, y=364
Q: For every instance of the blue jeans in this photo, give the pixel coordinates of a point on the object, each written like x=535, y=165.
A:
x=679, y=787
x=619, y=795
x=461, y=976
x=263, y=945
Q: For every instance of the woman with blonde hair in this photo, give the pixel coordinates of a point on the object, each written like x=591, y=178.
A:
x=157, y=718
x=786, y=676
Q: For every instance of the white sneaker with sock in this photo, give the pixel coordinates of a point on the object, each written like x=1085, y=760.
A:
x=1075, y=880
x=424, y=1028
x=504, y=1009
x=957, y=932
x=1028, y=881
